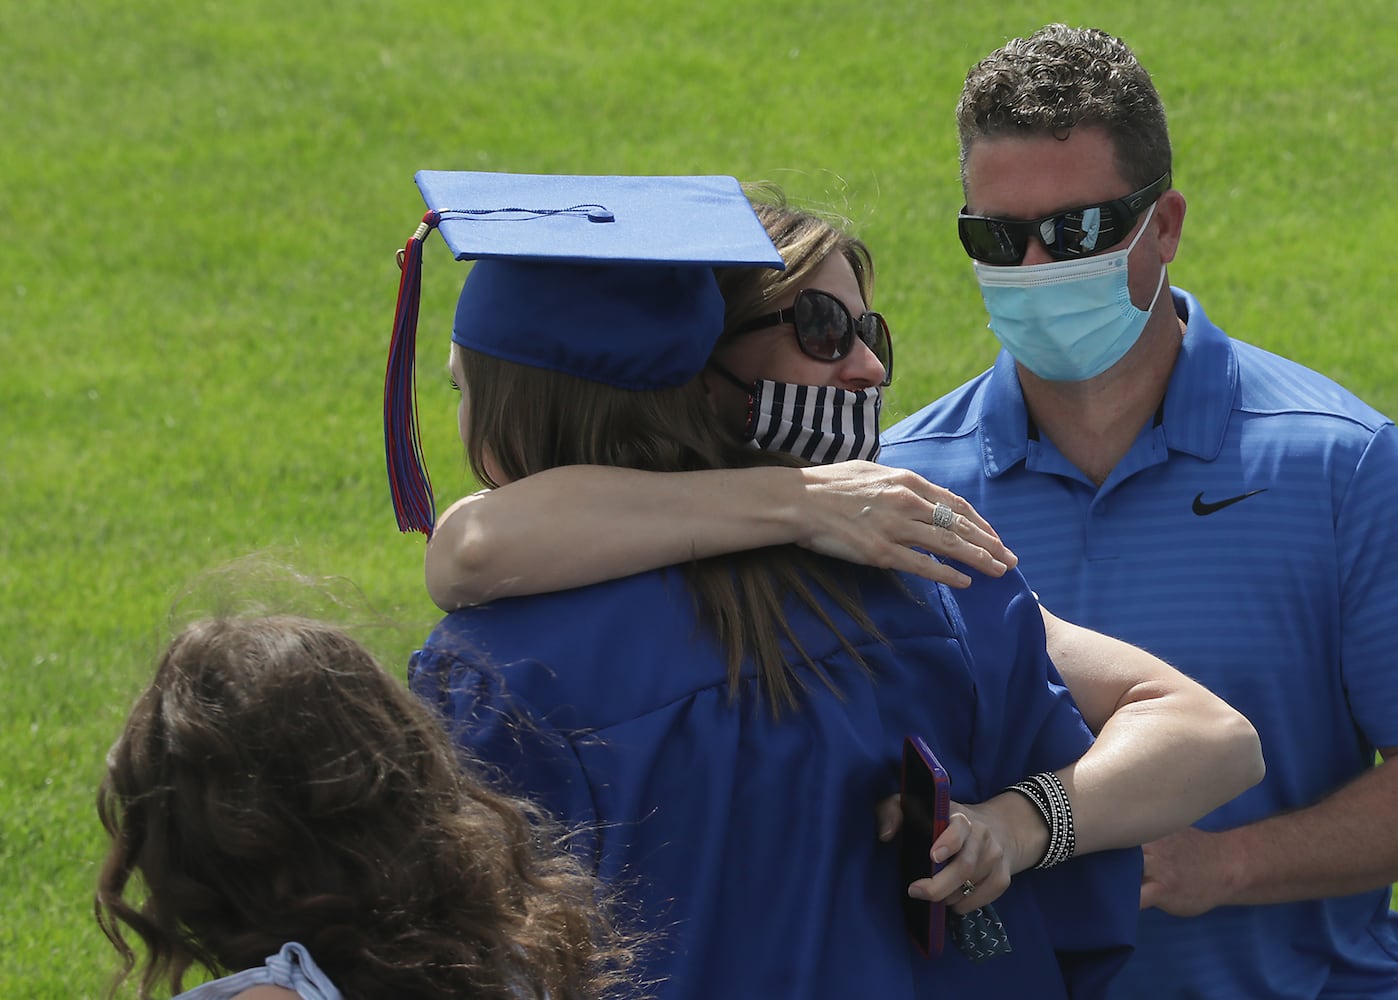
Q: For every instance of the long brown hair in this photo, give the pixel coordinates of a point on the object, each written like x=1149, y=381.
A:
x=274, y=784
x=528, y=419
x=805, y=240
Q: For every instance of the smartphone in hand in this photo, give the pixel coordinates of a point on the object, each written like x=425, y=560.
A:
x=926, y=803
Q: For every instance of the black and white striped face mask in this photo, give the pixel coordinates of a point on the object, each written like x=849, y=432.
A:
x=819, y=423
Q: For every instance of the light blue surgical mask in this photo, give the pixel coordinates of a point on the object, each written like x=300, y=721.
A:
x=1068, y=320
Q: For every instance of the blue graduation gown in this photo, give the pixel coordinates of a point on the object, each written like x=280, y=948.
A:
x=747, y=844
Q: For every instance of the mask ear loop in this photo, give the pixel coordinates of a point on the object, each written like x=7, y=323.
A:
x=1160, y=282
x=748, y=387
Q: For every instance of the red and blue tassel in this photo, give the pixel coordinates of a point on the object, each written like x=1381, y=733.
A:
x=407, y=472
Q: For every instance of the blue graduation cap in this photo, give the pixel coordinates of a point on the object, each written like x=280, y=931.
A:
x=604, y=278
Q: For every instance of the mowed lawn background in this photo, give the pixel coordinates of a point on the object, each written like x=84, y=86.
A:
x=200, y=203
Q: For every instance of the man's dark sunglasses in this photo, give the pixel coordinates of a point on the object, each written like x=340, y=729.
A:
x=1078, y=232
x=825, y=330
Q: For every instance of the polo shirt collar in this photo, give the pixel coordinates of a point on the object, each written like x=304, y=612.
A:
x=1204, y=385
x=1004, y=419
x=1198, y=399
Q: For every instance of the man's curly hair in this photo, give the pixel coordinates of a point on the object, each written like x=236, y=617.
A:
x=1061, y=78
x=274, y=784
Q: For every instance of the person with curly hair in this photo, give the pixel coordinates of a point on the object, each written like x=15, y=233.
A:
x=285, y=814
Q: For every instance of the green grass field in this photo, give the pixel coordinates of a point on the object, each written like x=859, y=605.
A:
x=200, y=203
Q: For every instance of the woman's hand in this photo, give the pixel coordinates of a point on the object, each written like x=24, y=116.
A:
x=867, y=513
x=983, y=845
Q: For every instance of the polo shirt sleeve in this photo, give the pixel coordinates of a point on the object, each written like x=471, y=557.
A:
x=1366, y=533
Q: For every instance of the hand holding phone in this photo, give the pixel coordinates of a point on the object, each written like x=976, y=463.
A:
x=926, y=802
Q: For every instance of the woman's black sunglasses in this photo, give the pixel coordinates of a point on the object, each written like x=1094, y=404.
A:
x=1077, y=232
x=825, y=330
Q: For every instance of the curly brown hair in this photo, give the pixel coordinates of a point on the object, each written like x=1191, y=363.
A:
x=275, y=784
x=1058, y=79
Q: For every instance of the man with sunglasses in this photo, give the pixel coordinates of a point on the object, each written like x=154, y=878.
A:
x=1220, y=506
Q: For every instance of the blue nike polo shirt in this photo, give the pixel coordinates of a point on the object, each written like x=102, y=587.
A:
x=1249, y=538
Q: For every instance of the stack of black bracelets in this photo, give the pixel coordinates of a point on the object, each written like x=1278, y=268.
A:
x=1051, y=799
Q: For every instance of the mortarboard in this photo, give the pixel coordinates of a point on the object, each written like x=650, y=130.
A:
x=604, y=278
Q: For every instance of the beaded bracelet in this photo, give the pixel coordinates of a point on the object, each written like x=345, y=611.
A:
x=1051, y=799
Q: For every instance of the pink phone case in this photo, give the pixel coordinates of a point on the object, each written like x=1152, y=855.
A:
x=926, y=803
